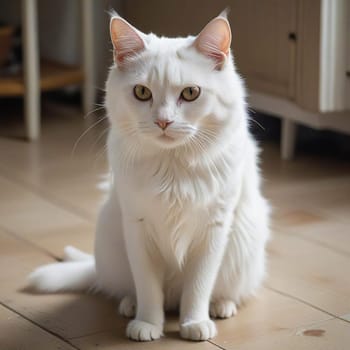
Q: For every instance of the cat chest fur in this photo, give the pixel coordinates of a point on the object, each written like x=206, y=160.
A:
x=176, y=205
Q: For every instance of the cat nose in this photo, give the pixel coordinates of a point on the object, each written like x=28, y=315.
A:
x=163, y=124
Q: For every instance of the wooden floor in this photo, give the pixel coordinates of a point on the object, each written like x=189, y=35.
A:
x=49, y=198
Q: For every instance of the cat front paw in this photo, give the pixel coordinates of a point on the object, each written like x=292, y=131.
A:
x=198, y=330
x=222, y=308
x=143, y=331
x=127, y=307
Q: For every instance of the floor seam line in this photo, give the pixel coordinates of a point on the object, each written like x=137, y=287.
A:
x=213, y=343
x=91, y=334
x=306, y=303
x=39, y=325
x=62, y=204
x=8, y=232
x=310, y=240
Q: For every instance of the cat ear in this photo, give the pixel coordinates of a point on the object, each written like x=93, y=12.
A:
x=215, y=39
x=127, y=41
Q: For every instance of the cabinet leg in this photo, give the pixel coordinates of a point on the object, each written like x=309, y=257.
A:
x=288, y=139
x=31, y=68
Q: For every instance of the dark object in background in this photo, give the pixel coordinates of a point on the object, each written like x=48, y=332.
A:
x=10, y=50
x=6, y=35
x=309, y=141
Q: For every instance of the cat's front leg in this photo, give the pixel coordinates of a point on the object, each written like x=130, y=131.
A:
x=148, y=276
x=200, y=275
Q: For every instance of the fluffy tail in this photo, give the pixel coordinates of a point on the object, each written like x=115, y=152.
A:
x=76, y=273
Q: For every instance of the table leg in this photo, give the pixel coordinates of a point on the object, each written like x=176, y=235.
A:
x=31, y=68
x=88, y=56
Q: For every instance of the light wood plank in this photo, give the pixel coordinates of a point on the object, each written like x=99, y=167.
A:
x=57, y=167
x=328, y=197
x=117, y=340
x=297, y=217
x=68, y=315
x=18, y=333
x=331, y=334
x=269, y=315
x=310, y=272
x=331, y=234
x=43, y=223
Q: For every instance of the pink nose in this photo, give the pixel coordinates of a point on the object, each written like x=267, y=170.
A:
x=163, y=124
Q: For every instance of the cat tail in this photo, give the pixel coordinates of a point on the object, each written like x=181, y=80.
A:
x=75, y=274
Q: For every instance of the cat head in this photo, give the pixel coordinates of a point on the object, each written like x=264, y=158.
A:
x=171, y=92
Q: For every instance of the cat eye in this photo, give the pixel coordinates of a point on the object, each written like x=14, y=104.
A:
x=142, y=93
x=190, y=93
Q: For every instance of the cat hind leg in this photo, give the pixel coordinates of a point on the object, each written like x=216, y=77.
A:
x=222, y=308
x=127, y=307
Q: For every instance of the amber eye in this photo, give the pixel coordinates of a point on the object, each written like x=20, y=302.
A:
x=190, y=93
x=142, y=93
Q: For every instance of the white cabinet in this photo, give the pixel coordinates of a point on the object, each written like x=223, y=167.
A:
x=264, y=44
x=322, y=82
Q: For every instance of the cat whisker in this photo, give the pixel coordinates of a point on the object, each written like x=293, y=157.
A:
x=208, y=137
x=208, y=160
x=257, y=123
x=99, y=155
x=84, y=133
x=99, y=138
x=99, y=107
x=251, y=110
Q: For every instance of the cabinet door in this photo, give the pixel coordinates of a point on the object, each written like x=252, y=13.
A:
x=264, y=54
x=264, y=44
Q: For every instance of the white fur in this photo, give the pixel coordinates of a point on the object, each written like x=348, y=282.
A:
x=185, y=224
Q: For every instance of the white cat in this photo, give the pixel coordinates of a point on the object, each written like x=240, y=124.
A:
x=185, y=224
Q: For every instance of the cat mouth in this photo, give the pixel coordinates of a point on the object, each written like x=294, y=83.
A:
x=166, y=138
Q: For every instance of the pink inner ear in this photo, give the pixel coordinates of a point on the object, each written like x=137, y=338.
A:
x=126, y=41
x=215, y=39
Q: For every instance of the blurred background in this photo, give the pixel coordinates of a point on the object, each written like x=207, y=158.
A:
x=294, y=56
